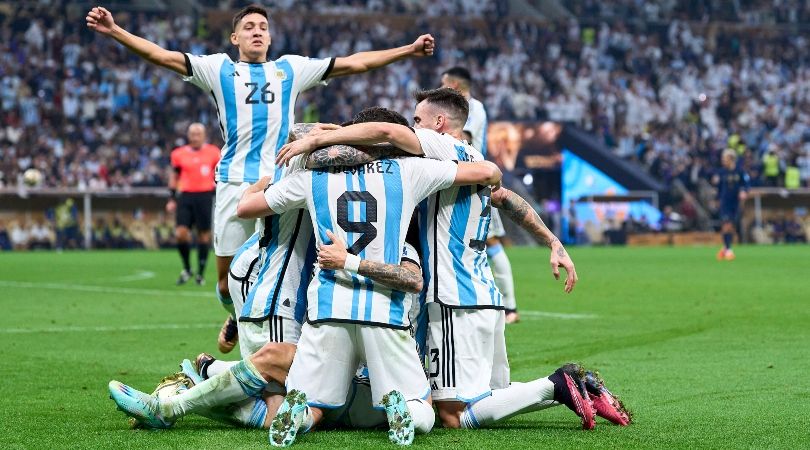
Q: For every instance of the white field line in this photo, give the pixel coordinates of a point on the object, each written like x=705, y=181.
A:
x=104, y=289
x=137, y=276
x=167, y=326
x=553, y=315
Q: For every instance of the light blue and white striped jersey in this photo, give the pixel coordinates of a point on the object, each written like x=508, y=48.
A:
x=454, y=224
x=370, y=208
x=287, y=253
x=477, y=126
x=256, y=106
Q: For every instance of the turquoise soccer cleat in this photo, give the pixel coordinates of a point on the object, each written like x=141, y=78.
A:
x=400, y=423
x=188, y=369
x=288, y=420
x=138, y=405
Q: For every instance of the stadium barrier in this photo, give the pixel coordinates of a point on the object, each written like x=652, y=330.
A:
x=138, y=207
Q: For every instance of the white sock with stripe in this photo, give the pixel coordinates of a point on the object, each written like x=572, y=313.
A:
x=518, y=398
x=243, y=380
x=422, y=415
x=502, y=271
x=217, y=367
x=250, y=413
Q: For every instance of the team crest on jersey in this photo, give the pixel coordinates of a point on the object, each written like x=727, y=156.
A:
x=281, y=75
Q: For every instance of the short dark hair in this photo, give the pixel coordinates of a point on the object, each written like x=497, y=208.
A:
x=459, y=72
x=449, y=100
x=250, y=9
x=380, y=114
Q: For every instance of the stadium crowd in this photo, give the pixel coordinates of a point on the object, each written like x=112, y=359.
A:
x=670, y=94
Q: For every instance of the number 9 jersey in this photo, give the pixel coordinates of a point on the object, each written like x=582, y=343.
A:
x=369, y=207
x=453, y=226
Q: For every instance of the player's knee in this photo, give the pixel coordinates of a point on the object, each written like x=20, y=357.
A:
x=182, y=234
x=450, y=414
x=273, y=360
x=205, y=238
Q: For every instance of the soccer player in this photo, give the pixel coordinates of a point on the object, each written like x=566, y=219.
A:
x=732, y=188
x=239, y=395
x=351, y=319
x=255, y=101
x=271, y=274
x=191, y=184
x=469, y=370
x=475, y=132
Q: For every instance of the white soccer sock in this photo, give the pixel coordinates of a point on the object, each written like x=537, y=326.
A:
x=518, y=398
x=250, y=413
x=238, y=383
x=502, y=271
x=422, y=415
x=218, y=366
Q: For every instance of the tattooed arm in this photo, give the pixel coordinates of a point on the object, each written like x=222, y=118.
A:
x=406, y=277
x=342, y=155
x=519, y=210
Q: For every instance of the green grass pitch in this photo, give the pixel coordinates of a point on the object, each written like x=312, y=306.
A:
x=707, y=354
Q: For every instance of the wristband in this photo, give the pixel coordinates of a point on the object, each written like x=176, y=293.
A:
x=352, y=263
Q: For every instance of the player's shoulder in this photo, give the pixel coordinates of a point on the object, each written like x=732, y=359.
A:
x=180, y=150
x=293, y=59
x=212, y=58
x=477, y=107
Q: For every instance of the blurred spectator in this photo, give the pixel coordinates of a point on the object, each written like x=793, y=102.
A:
x=652, y=79
x=67, y=226
x=5, y=239
x=40, y=236
x=19, y=236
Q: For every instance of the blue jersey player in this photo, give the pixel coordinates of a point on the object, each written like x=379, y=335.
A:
x=255, y=102
x=732, y=188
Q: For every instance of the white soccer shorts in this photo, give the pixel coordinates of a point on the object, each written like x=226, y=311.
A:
x=328, y=355
x=463, y=348
x=253, y=335
x=496, y=229
x=230, y=232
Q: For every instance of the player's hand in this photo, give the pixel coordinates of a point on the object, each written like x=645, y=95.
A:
x=295, y=148
x=259, y=185
x=171, y=206
x=423, y=45
x=332, y=256
x=560, y=258
x=743, y=196
x=321, y=128
x=100, y=19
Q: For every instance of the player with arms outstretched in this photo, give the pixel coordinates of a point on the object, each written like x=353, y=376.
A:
x=255, y=100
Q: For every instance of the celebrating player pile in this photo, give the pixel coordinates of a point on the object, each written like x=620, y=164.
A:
x=334, y=336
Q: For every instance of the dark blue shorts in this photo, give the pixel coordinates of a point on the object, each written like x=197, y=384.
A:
x=729, y=211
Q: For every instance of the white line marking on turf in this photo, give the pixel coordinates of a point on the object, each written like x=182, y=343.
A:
x=167, y=326
x=137, y=276
x=554, y=315
x=102, y=289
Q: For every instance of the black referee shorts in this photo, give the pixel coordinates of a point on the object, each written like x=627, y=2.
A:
x=195, y=208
